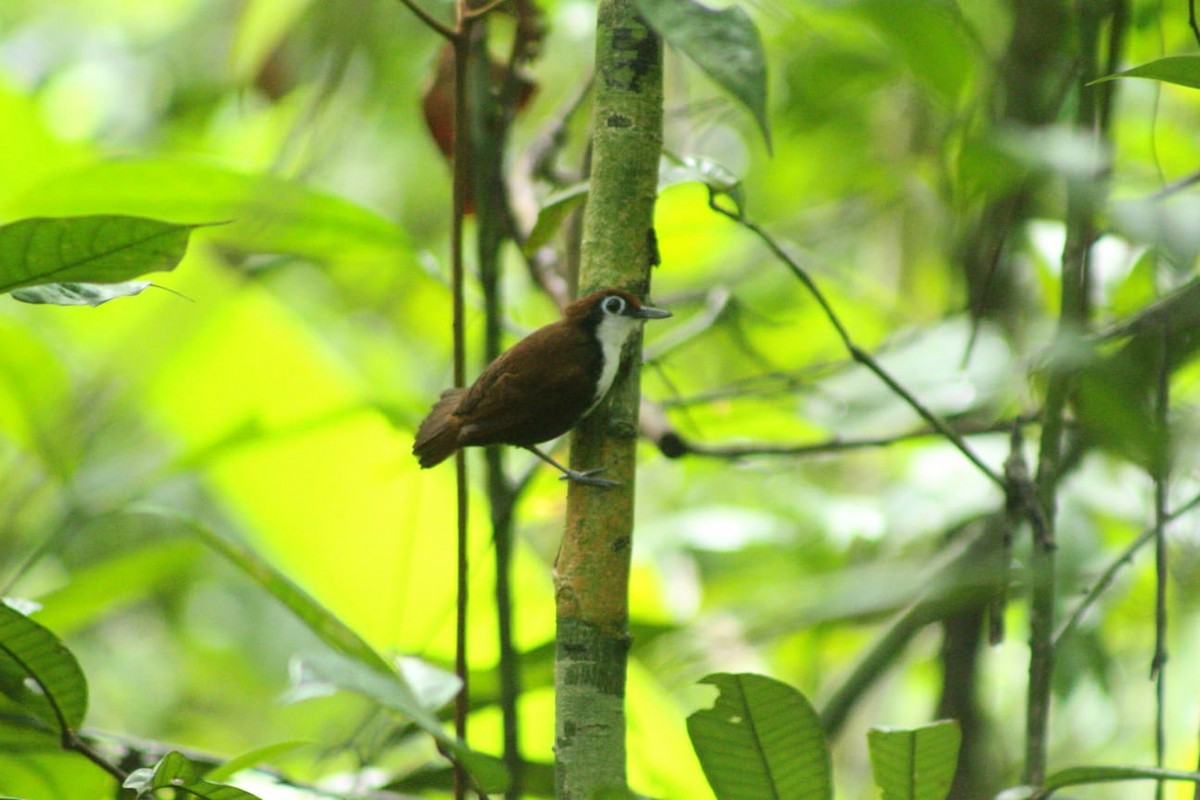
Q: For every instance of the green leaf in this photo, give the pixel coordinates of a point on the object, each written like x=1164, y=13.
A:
x=917, y=763
x=394, y=692
x=932, y=38
x=327, y=627
x=353, y=665
x=39, y=673
x=79, y=294
x=267, y=214
x=252, y=758
x=550, y=218
x=1076, y=776
x=760, y=740
x=99, y=249
x=724, y=43
x=176, y=771
x=1180, y=70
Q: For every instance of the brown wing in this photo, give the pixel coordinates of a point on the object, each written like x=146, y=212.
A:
x=533, y=392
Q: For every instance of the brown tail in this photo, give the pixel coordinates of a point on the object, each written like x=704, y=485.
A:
x=437, y=437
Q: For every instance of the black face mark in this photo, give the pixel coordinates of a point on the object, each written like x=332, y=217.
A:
x=613, y=305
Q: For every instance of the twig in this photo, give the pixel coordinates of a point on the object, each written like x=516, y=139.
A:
x=1107, y=577
x=475, y=13
x=834, y=445
x=715, y=304
x=461, y=190
x=1192, y=20
x=72, y=741
x=440, y=28
x=1162, y=474
x=857, y=353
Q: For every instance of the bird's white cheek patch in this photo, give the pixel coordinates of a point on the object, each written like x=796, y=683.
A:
x=612, y=333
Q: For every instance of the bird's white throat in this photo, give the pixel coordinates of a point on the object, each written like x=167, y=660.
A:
x=613, y=332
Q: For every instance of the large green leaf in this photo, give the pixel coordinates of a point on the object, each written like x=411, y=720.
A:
x=175, y=771
x=915, y=763
x=327, y=627
x=39, y=673
x=97, y=249
x=724, y=43
x=761, y=740
x=267, y=214
x=391, y=690
x=353, y=665
x=1181, y=70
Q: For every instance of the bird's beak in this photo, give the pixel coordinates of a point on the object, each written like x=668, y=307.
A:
x=648, y=312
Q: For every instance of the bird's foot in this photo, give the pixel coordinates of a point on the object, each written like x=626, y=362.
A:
x=585, y=478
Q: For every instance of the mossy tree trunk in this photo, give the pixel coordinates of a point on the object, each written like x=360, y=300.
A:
x=592, y=572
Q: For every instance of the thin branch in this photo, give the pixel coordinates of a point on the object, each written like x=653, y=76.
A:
x=475, y=13
x=1110, y=573
x=857, y=353
x=71, y=741
x=1192, y=20
x=715, y=303
x=438, y=27
x=836, y=444
x=1162, y=475
x=461, y=190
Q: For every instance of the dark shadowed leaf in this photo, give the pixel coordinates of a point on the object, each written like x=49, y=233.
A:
x=761, y=740
x=1181, y=70
x=176, y=771
x=724, y=43
x=917, y=763
x=79, y=294
x=39, y=673
x=98, y=249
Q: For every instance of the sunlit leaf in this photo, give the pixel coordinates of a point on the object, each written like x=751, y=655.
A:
x=327, y=627
x=79, y=294
x=915, y=763
x=267, y=214
x=259, y=755
x=394, y=692
x=761, y=740
x=39, y=673
x=176, y=771
x=96, y=249
x=1180, y=70
x=724, y=43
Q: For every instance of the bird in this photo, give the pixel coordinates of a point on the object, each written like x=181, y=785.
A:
x=541, y=387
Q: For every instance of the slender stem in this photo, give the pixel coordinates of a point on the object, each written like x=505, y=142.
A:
x=475, y=13
x=462, y=155
x=1161, y=464
x=857, y=353
x=72, y=741
x=440, y=28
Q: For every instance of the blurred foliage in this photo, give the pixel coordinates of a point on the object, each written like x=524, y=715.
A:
x=276, y=399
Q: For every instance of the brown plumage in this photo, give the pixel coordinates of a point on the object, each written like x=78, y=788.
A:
x=539, y=388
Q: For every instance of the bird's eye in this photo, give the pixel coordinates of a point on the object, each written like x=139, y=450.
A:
x=613, y=304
